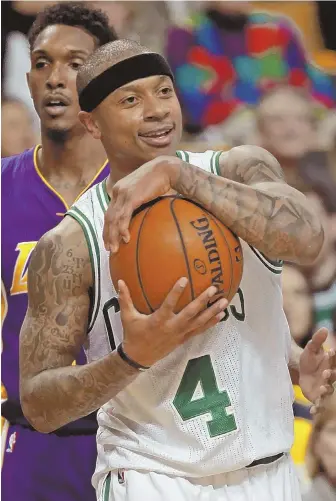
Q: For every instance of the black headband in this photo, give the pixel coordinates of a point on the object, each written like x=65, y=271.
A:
x=128, y=70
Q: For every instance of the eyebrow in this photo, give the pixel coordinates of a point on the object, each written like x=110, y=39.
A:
x=73, y=52
x=134, y=87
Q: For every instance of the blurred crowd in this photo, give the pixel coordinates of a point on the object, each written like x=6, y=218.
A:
x=246, y=73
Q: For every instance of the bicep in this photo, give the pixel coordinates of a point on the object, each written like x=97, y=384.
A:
x=55, y=325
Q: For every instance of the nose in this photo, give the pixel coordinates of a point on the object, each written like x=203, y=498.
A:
x=56, y=78
x=156, y=109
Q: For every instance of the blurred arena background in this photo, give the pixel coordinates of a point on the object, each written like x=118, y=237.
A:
x=268, y=79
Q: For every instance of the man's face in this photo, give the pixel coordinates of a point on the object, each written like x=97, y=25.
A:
x=286, y=126
x=17, y=129
x=59, y=51
x=140, y=120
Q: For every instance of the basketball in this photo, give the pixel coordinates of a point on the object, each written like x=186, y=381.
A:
x=172, y=237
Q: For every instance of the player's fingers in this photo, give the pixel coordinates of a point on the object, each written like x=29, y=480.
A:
x=169, y=304
x=206, y=316
x=196, y=306
x=316, y=342
x=326, y=374
x=125, y=300
x=332, y=359
x=323, y=391
x=329, y=390
x=113, y=216
x=313, y=410
x=214, y=321
x=124, y=222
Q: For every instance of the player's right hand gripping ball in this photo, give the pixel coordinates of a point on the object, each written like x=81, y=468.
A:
x=171, y=238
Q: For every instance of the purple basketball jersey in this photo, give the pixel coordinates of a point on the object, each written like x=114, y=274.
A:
x=30, y=208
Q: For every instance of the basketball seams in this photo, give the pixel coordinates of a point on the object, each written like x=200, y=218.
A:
x=183, y=247
x=138, y=260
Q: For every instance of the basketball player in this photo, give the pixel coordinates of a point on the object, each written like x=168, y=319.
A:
x=38, y=186
x=183, y=417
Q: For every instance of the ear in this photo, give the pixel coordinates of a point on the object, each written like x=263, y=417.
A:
x=90, y=124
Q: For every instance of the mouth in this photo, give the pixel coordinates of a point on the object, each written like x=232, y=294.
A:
x=55, y=106
x=159, y=137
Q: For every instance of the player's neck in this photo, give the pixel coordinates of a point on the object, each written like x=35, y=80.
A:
x=71, y=157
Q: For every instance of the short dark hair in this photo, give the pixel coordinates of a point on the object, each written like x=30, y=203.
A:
x=107, y=56
x=77, y=14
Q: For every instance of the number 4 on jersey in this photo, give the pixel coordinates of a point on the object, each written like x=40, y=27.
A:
x=199, y=371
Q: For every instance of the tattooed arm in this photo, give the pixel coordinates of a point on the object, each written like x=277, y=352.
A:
x=250, y=197
x=53, y=392
x=253, y=200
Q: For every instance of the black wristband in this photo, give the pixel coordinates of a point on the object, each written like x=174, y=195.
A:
x=129, y=361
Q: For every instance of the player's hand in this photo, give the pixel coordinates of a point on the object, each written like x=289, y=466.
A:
x=151, y=180
x=149, y=338
x=317, y=370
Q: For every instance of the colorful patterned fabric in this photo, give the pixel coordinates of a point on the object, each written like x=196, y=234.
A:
x=219, y=71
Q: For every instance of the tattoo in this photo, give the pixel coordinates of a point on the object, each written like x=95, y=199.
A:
x=253, y=200
x=53, y=392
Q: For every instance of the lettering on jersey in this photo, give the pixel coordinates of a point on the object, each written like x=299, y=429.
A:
x=202, y=226
x=238, y=312
x=199, y=395
x=113, y=304
x=19, y=283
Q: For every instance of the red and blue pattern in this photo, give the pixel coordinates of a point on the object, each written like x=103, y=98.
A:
x=219, y=71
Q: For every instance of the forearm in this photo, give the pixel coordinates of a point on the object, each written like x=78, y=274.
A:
x=294, y=362
x=279, y=225
x=56, y=397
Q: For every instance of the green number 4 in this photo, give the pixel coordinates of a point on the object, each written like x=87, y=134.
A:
x=199, y=376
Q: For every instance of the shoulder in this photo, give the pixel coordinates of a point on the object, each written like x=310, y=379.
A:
x=11, y=166
x=207, y=160
x=62, y=251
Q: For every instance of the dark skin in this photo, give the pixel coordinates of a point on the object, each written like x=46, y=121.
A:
x=69, y=157
x=52, y=391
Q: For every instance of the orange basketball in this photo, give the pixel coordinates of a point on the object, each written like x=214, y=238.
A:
x=172, y=237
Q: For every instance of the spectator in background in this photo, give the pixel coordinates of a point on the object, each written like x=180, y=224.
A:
x=287, y=126
x=322, y=275
x=227, y=57
x=321, y=457
x=17, y=128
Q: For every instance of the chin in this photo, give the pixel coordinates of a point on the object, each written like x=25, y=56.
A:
x=57, y=134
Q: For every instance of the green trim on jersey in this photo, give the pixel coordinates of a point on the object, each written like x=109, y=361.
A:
x=104, y=191
x=101, y=198
x=183, y=155
x=214, y=163
x=106, y=487
x=94, y=253
x=273, y=266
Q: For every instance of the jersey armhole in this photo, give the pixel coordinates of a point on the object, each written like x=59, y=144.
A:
x=94, y=253
x=272, y=265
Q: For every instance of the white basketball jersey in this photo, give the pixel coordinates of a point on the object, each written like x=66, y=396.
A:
x=213, y=405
